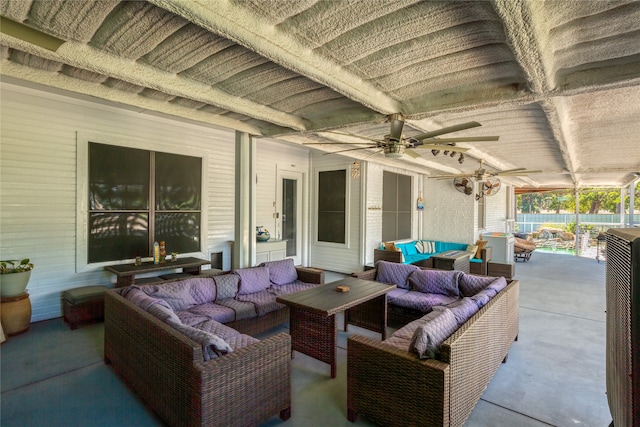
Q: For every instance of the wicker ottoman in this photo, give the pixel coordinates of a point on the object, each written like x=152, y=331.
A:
x=83, y=305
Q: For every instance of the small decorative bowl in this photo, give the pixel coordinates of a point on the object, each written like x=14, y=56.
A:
x=263, y=237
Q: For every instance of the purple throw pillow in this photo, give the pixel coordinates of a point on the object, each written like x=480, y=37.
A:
x=471, y=284
x=443, y=282
x=395, y=273
x=253, y=279
x=281, y=272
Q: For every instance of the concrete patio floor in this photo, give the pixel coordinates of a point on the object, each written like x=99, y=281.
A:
x=555, y=374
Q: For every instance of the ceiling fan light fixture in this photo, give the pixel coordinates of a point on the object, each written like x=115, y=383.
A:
x=394, y=151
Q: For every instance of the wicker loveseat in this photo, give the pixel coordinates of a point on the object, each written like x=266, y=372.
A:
x=168, y=368
x=391, y=385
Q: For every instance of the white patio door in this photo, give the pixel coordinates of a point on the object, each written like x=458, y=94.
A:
x=289, y=200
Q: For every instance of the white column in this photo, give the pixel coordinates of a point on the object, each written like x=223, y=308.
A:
x=622, y=222
x=577, y=230
x=632, y=198
x=244, y=248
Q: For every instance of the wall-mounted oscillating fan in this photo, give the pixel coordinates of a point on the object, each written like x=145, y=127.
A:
x=491, y=186
x=463, y=185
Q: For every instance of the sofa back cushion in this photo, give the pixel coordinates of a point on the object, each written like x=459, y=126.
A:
x=392, y=272
x=449, y=246
x=226, y=286
x=407, y=248
x=253, y=279
x=281, y=272
x=428, y=337
x=471, y=284
x=444, y=282
x=183, y=294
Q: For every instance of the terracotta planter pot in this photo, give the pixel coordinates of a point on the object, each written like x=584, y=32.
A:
x=15, y=313
x=13, y=284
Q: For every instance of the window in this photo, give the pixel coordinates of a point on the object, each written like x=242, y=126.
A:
x=396, y=206
x=137, y=197
x=332, y=206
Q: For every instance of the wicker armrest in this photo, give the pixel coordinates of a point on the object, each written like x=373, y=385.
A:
x=365, y=275
x=381, y=377
x=391, y=256
x=249, y=385
x=310, y=275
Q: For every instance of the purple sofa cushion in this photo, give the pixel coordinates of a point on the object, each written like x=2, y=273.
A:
x=183, y=294
x=463, y=309
x=395, y=273
x=428, y=337
x=265, y=302
x=226, y=286
x=281, y=272
x=216, y=312
x=420, y=301
x=483, y=297
x=290, y=288
x=435, y=282
x=253, y=279
x=471, y=284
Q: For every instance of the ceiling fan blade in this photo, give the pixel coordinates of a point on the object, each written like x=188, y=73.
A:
x=350, y=149
x=466, y=139
x=449, y=129
x=515, y=172
x=377, y=141
x=443, y=147
x=396, y=129
x=412, y=153
x=460, y=175
x=508, y=171
x=339, y=143
x=29, y=35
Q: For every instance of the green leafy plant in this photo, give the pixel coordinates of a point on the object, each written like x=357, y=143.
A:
x=15, y=266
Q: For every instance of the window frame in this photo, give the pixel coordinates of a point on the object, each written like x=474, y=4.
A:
x=347, y=207
x=82, y=192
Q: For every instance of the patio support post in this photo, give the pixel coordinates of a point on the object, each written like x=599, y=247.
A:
x=622, y=207
x=577, y=230
x=244, y=249
x=632, y=199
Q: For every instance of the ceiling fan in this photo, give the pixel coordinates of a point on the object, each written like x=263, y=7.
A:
x=483, y=175
x=396, y=144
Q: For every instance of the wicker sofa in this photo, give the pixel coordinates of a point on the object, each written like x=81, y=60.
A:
x=407, y=254
x=169, y=370
x=391, y=385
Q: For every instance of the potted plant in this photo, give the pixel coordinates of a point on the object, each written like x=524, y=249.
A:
x=14, y=276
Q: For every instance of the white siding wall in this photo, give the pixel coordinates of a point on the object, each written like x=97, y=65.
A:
x=38, y=182
x=497, y=211
x=449, y=215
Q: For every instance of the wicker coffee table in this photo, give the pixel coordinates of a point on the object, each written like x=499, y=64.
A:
x=312, y=321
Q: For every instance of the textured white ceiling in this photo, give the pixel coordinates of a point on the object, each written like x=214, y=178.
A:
x=557, y=81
